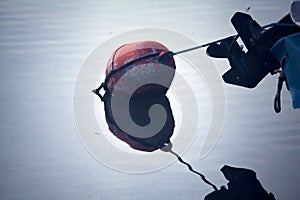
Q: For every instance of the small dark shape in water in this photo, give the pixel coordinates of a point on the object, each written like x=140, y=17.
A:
x=243, y=185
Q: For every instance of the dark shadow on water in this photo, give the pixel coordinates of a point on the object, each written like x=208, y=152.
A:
x=139, y=112
x=243, y=185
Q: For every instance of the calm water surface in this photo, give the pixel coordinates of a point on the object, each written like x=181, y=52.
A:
x=42, y=47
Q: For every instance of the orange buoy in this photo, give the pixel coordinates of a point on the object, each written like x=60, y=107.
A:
x=140, y=61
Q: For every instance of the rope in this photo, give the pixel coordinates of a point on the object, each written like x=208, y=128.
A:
x=235, y=36
x=277, y=99
x=200, y=46
x=279, y=24
x=192, y=170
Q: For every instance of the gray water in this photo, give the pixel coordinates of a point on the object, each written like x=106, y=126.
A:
x=42, y=47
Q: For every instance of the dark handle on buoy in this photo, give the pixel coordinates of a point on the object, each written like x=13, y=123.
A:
x=97, y=91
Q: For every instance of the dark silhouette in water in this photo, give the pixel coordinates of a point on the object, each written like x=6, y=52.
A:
x=139, y=112
x=243, y=185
